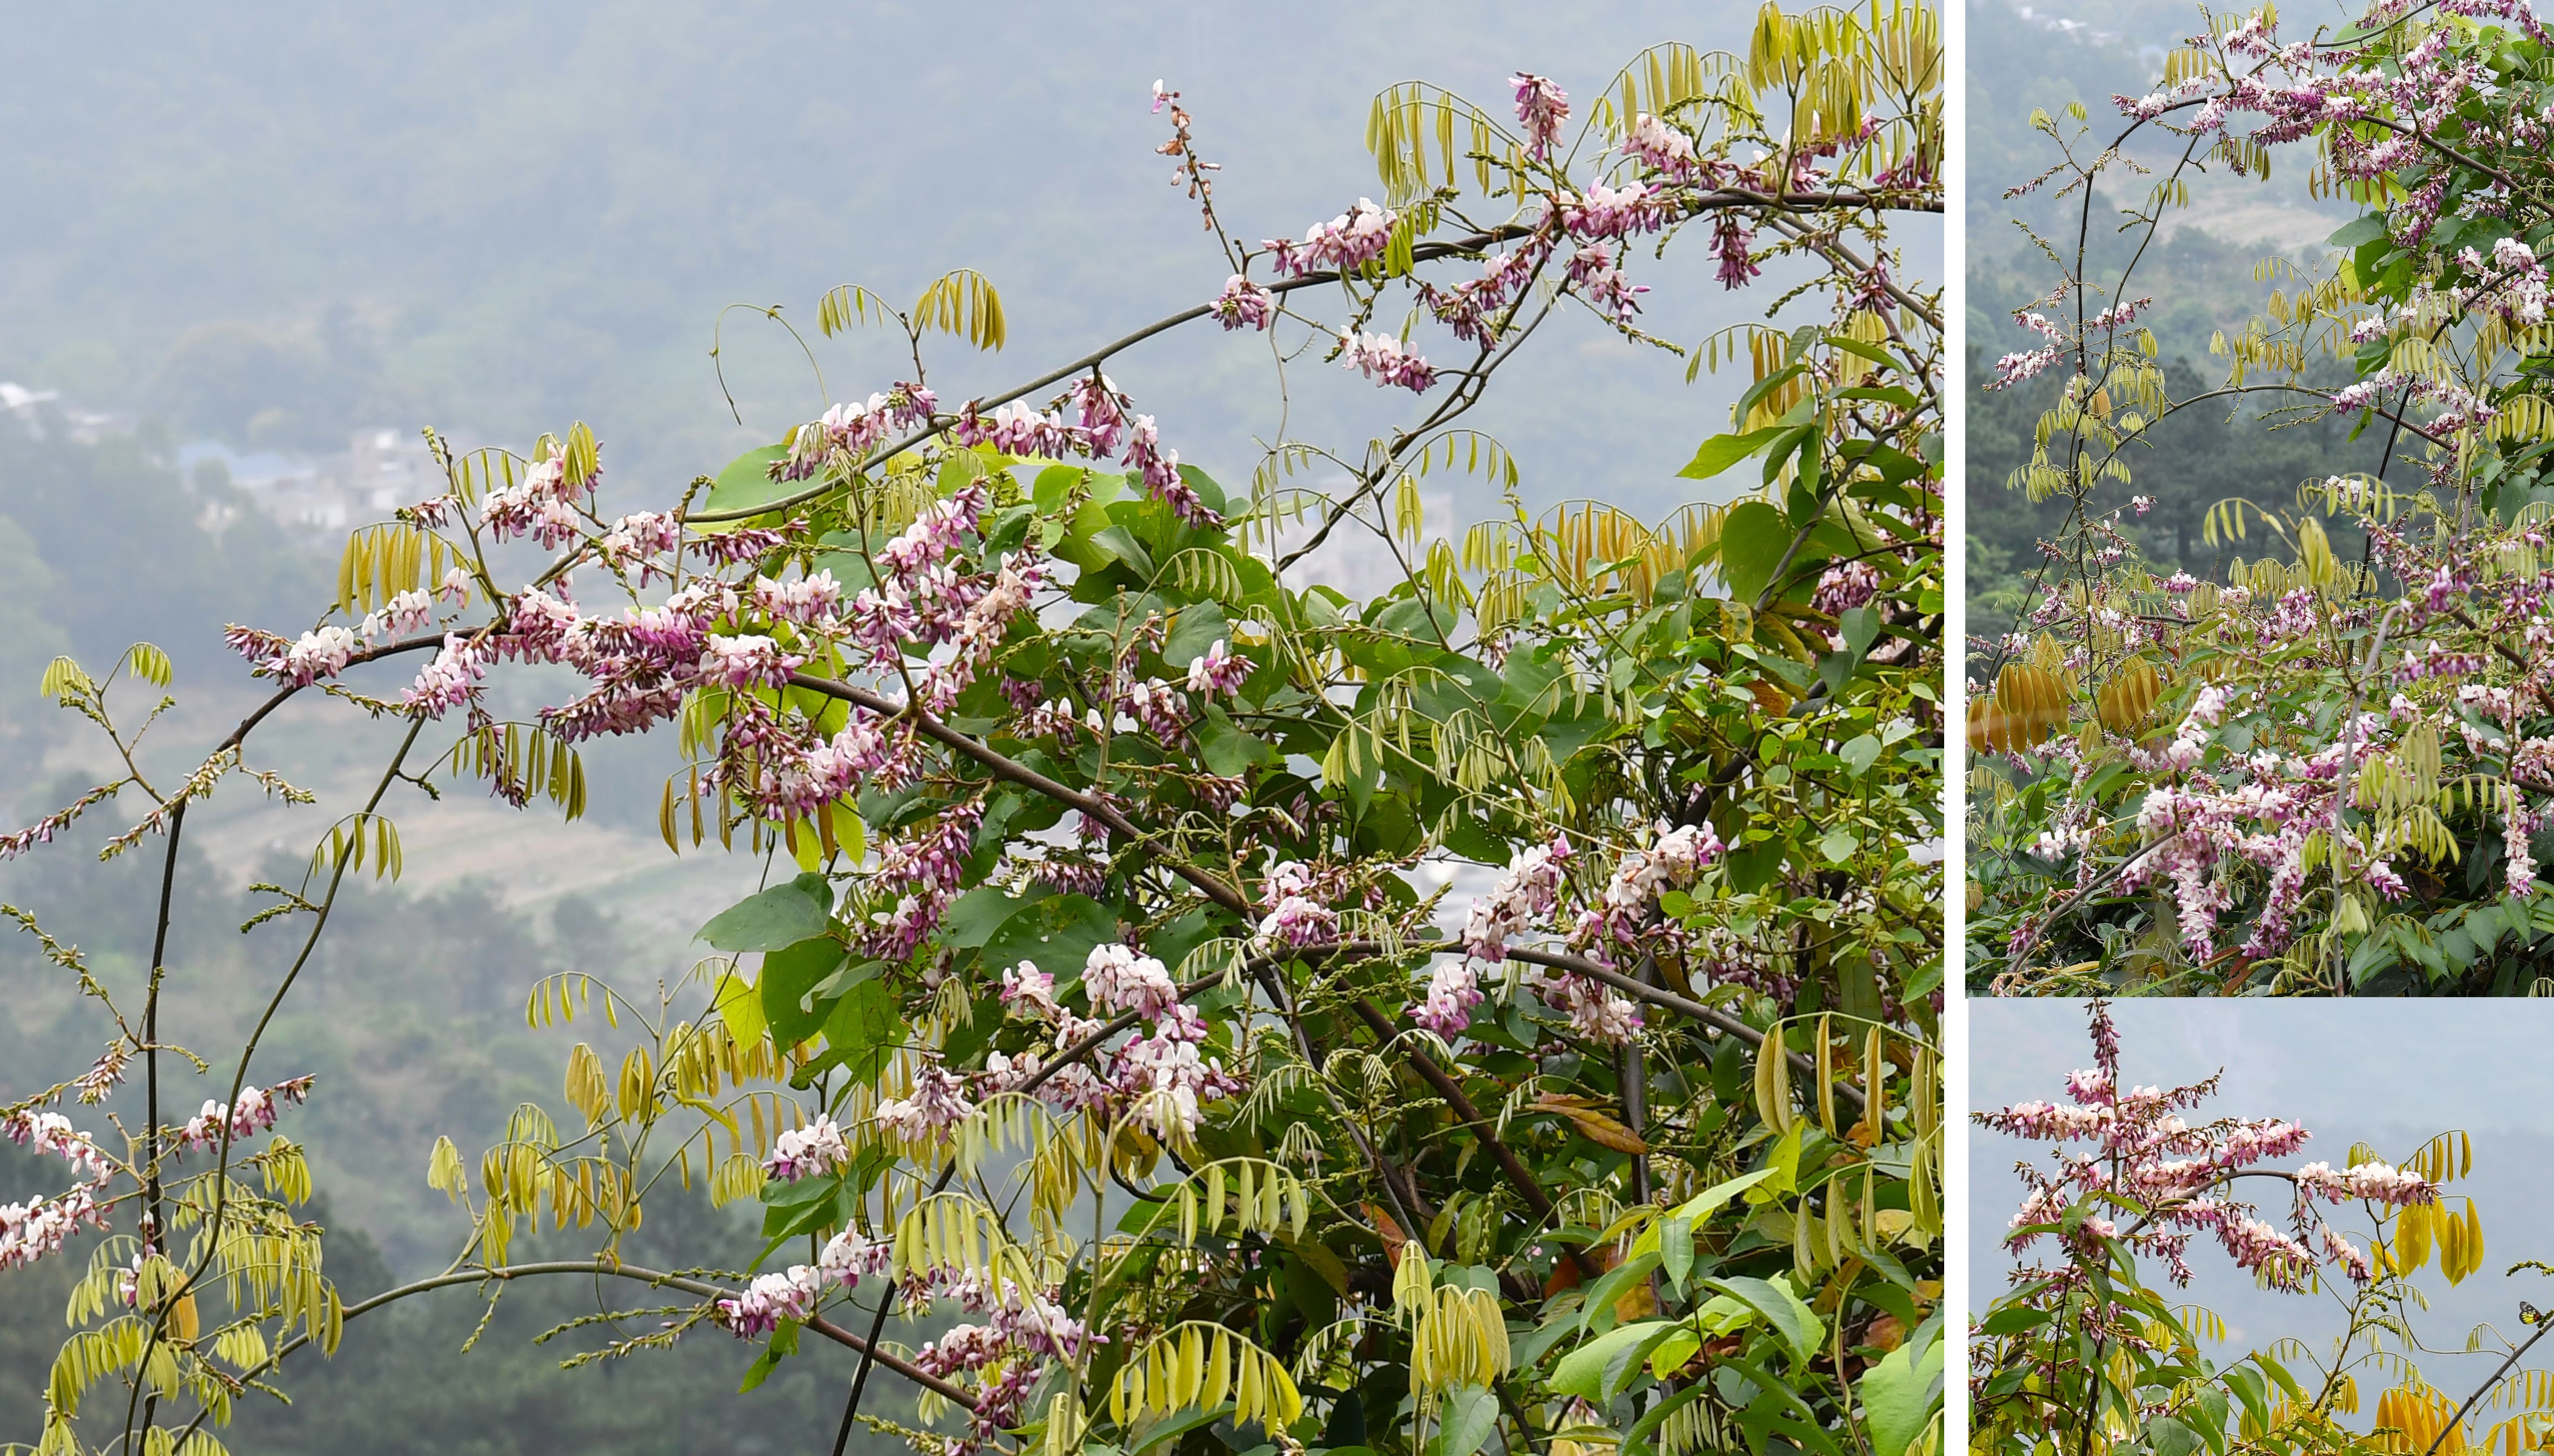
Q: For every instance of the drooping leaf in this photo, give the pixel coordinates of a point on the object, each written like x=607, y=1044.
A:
x=1785, y=1310
x=1583, y=1371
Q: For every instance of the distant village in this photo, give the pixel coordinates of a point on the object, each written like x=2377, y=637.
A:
x=378, y=471
x=382, y=469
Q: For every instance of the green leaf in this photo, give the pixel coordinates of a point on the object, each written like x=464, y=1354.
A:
x=780, y=916
x=1860, y=755
x=1059, y=933
x=2013, y=1320
x=1225, y=747
x=1861, y=627
x=1701, y=1205
x=1782, y=1170
x=2255, y=1391
x=1902, y=1395
x=1675, y=1249
x=784, y=1343
x=1799, y=1325
x=789, y=976
x=739, y=1005
x=2358, y=230
x=2169, y=1437
x=1179, y=1424
x=974, y=916
x=1670, y=1354
x=1121, y=542
x=1723, y=451
x=1470, y=1414
x=1198, y=627
x=745, y=482
x=1752, y=538
x=1581, y=1372
x=1599, y=1302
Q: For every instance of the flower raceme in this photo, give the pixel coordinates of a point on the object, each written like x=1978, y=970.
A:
x=2128, y=1165
x=1541, y=107
x=1344, y=244
x=38, y=1227
x=1532, y=896
x=1381, y=358
x=256, y=1110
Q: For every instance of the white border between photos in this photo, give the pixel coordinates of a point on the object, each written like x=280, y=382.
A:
x=1955, y=616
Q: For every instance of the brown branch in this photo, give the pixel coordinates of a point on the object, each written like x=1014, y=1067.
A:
x=1012, y=769
x=600, y=1267
x=1723, y=200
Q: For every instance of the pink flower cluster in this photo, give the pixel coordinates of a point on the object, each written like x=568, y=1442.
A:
x=793, y=1294
x=2151, y=1178
x=1663, y=148
x=1605, y=211
x=1525, y=897
x=1245, y=304
x=1669, y=859
x=1218, y=672
x=853, y=429
x=922, y=873
x=40, y=1226
x=1381, y=358
x=1453, y=990
x=1595, y=1010
x=2375, y=1182
x=1541, y=107
x=37, y=1227
x=1843, y=588
x=937, y=1103
x=411, y=611
x=1023, y=1330
x=255, y=1112
x=1344, y=244
x=1119, y=978
x=1299, y=922
x=52, y=1134
x=544, y=504
x=804, y=1152
x=1165, y=1077
x=319, y=654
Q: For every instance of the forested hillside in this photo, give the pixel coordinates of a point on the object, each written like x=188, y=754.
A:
x=499, y=219
x=2212, y=272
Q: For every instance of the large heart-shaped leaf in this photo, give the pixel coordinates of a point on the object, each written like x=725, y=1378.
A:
x=780, y=916
x=1902, y=1394
x=1753, y=537
x=745, y=482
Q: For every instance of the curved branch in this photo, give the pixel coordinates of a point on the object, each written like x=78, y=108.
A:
x=651, y=1277
x=1724, y=199
x=1012, y=769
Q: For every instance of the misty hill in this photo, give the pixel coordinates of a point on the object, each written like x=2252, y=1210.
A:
x=275, y=227
x=2202, y=273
